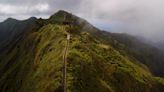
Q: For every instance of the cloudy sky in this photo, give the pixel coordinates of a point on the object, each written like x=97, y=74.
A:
x=139, y=17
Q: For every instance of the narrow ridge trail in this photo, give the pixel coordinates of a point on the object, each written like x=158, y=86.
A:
x=64, y=79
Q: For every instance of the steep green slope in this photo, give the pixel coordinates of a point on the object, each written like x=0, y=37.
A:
x=36, y=57
x=34, y=63
x=143, y=52
x=97, y=67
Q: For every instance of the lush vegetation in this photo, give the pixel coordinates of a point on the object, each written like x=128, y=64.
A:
x=34, y=62
x=143, y=52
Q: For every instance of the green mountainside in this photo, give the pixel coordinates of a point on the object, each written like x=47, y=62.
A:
x=33, y=61
x=143, y=52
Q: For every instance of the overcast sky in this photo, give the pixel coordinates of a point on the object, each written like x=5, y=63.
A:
x=141, y=17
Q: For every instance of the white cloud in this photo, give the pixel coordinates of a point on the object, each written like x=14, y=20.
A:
x=23, y=9
x=139, y=17
x=41, y=7
x=8, y=9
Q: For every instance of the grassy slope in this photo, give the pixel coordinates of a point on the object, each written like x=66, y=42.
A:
x=97, y=67
x=34, y=64
x=144, y=53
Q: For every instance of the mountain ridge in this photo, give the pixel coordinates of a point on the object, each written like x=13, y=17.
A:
x=144, y=52
x=34, y=62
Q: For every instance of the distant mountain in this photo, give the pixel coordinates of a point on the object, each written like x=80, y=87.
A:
x=12, y=28
x=156, y=43
x=97, y=61
x=159, y=45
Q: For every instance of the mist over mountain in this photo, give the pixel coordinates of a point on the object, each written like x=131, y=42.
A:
x=144, y=51
x=159, y=45
x=143, y=18
x=96, y=60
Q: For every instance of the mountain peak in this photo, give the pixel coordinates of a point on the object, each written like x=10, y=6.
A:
x=64, y=17
x=60, y=15
x=32, y=18
x=10, y=20
x=62, y=12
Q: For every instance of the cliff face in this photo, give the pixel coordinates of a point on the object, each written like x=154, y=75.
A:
x=34, y=62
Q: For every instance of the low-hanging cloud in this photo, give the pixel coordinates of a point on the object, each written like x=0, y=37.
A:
x=138, y=17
